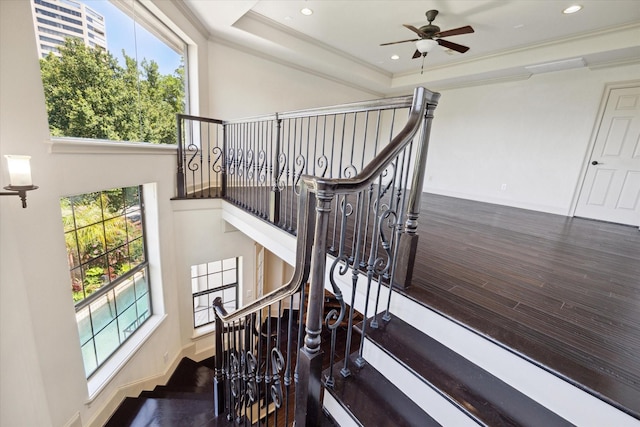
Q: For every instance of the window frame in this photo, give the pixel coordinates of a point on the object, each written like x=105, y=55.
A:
x=115, y=286
x=214, y=289
x=140, y=13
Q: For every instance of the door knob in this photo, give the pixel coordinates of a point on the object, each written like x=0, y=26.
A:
x=595, y=162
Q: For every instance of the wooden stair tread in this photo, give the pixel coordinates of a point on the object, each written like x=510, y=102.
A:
x=384, y=404
x=160, y=412
x=126, y=412
x=476, y=391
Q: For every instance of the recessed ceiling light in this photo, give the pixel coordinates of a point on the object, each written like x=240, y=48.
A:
x=306, y=11
x=572, y=9
x=395, y=57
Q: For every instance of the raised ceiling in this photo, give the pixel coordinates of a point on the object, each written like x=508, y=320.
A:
x=341, y=39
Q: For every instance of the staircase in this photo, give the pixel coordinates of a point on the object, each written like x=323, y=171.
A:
x=407, y=365
x=411, y=379
x=186, y=400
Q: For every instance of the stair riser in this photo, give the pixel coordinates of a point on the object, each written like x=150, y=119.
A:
x=570, y=402
x=436, y=405
x=341, y=416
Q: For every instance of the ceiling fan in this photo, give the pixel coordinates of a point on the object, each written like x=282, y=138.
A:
x=430, y=36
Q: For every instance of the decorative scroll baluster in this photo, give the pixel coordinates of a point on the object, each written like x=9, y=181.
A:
x=253, y=370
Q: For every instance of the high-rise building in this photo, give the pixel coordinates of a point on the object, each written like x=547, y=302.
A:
x=55, y=20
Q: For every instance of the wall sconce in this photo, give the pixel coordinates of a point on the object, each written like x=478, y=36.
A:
x=19, y=178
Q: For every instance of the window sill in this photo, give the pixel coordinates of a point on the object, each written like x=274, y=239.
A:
x=203, y=331
x=110, y=369
x=100, y=146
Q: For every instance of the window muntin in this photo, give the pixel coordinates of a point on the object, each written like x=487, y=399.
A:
x=209, y=281
x=104, y=236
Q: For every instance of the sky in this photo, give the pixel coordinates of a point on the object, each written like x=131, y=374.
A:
x=120, y=35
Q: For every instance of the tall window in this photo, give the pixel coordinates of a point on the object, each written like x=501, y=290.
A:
x=109, y=272
x=109, y=73
x=212, y=280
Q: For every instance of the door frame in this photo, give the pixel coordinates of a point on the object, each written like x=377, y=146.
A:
x=594, y=135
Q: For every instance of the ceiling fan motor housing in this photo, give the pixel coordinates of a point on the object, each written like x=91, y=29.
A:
x=430, y=29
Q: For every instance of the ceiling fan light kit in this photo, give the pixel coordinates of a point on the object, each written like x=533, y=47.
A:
x=426, y=45
x=430, y=37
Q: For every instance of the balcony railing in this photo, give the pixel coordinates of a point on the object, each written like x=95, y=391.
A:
x=347, y=181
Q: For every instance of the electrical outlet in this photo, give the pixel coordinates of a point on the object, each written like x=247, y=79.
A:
x=166, y=357
x=249, y=293
x=503, y=187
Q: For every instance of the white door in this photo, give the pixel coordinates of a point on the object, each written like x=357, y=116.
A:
x=611, y=188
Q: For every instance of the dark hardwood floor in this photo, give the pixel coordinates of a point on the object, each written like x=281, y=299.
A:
x=565, y=292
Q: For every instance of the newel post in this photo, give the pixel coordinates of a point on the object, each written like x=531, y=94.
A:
x=308, y=382
x=218, y=373
x=408, y=243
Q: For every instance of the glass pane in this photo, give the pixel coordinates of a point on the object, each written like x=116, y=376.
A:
x=229, y=277
x=113, y=202
x=87, y=209
x=201, y=316
x=132, y=196
x=95, y=275
x=84, y=325
x=77, y=290
x=89, y=358
x=125, y=296
x=68, y=222
x=103, y=311
x=128, y=322
x=201, y=269
x=201, y=283
x=214, y=266
x=134, y=229
x=133, y=214
x=115, y=232
x=142, y=287
x=107, y=341
x=119, y=262
x=144, y=311
x=215, y=280
x=136, y=252
x=135, y=76
x=229, y=263
x=91, y=242
x=72, y=249
x=229, y=295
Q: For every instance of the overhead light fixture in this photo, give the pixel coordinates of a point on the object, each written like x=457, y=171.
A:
x=395, y=57
x=19, y=177
x=572, y=9
x=306, y=11
x=426, y=45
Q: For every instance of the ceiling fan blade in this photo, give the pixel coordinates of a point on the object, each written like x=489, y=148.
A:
x=401, y=41
x=454, y=32
x=416, y=54
x=417, y=31
x=453, y=46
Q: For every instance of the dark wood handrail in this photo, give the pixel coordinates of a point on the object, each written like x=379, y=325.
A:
x=421, y=99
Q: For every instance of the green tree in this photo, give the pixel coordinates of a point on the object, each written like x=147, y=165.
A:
x=90, y=95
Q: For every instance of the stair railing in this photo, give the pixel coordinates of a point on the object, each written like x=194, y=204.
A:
x=365, y=222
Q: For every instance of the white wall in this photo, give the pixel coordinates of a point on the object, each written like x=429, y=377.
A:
x=201, y=236
x=532, y=135
x=43, y=381
x=244, y=85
